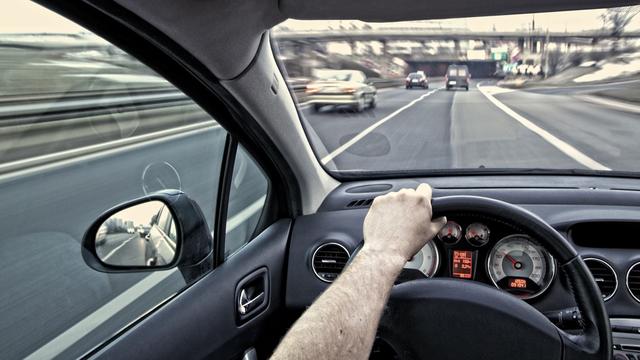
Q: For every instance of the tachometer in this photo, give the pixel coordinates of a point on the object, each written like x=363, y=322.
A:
x=450, y=233
x=519, y=266
x=427, y=260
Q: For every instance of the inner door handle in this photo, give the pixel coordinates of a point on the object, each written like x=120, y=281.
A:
x=246, y=303
x=252, y=295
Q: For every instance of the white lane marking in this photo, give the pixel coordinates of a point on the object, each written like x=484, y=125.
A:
x=494, y=90
x=110, y=254
x=101, y=315
x=63, y=341
x=244, y=215
x=618, y=105
x=553, y=140
x=325, y=160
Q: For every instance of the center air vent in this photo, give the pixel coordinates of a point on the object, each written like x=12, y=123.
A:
x=328, y=261
x=605, y=277
x=633, y=281
x=360, y=203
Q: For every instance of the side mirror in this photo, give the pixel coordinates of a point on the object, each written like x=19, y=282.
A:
x=156, y=232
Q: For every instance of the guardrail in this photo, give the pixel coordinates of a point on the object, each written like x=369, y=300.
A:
x=36, y=130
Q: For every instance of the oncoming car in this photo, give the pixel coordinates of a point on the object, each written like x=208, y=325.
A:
x=341, y=88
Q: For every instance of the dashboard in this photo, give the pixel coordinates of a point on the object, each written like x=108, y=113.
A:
x=479, y=248
x=600, y=216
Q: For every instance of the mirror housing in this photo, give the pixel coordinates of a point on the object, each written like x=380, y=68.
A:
x=193, y=253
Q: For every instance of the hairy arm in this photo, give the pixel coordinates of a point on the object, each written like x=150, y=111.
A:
x=342, y=322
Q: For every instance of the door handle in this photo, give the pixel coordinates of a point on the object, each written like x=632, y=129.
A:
x=252, y=295
x=246, y=303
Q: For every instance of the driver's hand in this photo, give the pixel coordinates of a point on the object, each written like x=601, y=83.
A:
x=399, y=223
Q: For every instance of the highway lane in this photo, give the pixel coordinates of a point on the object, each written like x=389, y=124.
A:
x=460, y=129
x=123, y=249
x=607, y=135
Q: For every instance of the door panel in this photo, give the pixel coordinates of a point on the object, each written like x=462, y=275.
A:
x=201, y=321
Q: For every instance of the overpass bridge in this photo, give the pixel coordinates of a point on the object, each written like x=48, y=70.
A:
x=418, y=34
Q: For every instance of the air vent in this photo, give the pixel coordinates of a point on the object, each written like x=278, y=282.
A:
x=328, y=261
x=605, y=277
x=633, y=281
x=360, y=203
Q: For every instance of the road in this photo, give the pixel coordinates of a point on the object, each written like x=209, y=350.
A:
x=485, y=127
x=123, y=249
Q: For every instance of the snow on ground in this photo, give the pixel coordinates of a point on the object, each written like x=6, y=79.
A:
x=627, y=65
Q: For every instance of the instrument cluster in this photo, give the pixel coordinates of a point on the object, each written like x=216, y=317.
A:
x=485, y=250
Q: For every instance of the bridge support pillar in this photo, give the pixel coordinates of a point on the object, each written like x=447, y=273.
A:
x=384, y=47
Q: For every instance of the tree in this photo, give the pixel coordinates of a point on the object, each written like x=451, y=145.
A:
x=617, y=19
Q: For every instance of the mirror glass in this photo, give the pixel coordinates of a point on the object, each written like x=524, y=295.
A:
x=140, y=235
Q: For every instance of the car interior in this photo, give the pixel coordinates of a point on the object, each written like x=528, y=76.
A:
x=575, y=229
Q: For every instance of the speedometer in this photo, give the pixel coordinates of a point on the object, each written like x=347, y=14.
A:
x=427, y=260
x=521, y=267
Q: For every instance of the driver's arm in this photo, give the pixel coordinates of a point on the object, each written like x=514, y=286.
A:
x=342, y=322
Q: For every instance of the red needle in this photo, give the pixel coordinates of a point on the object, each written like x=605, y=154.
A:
x=513, y=261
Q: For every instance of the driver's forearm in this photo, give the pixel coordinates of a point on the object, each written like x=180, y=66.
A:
x=342, y=322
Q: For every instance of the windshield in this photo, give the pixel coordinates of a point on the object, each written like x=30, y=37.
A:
x=544, y=92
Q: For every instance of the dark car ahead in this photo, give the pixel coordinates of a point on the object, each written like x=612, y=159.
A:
x=416, y=79
x=457, y=76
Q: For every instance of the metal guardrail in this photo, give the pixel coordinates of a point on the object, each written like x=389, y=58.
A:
x=32, y=131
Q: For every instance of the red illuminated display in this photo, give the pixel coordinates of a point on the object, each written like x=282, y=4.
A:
x=462, y=264
x=518, y=283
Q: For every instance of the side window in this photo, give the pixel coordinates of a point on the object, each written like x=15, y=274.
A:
x=85, y=126
x=165, y=218
x=172, y=231
x=249, y=189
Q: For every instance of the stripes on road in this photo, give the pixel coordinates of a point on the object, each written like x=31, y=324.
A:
x=63, y=341
x=614, y=104
x=112, y=252
x=561, y=145
x=101, y=315
x=332, y=155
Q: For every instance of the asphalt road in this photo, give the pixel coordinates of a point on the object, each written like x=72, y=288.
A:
x=484, y=127
x=123, y=249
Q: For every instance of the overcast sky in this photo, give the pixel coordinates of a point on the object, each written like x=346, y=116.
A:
x=19, y=16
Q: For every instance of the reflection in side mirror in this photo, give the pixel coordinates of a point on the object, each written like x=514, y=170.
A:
x=142, y=235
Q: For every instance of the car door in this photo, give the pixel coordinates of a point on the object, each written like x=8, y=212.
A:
x=89, y=126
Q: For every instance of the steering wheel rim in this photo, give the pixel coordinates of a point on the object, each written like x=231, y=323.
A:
x=593, y=342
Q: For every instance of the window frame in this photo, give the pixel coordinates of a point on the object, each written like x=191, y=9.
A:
x=156, y=50
x=153, y=48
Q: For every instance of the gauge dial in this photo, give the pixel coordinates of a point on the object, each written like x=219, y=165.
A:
x=450, y=233
x=519, y=266
x=477, y=234
x=427, y=260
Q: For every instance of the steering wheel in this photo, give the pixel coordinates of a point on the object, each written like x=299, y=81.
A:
x=458, y=319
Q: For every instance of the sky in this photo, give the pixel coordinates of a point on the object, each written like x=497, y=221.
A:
x=23, y=16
